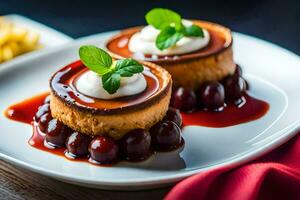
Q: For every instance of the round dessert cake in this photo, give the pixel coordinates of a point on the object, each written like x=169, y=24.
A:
x=114, y=117
x=190, y=70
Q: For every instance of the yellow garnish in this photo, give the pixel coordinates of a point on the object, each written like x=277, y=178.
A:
x=16, y=40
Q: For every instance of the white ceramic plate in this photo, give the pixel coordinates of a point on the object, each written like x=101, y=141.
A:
x=49, y=37
x=272, y=72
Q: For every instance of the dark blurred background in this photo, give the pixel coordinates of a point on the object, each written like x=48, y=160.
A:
x=277, y=21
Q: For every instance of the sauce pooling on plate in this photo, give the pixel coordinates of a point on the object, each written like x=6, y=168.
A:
x=250, y=110
x=28, y=112
x=32, y=111
x=53, y=136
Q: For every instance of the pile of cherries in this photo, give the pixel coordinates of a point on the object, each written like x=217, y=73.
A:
x=212, y=96
x=136, y=145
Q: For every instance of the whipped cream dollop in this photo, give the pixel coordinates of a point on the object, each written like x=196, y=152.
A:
x=144, y=42
x=90, y=84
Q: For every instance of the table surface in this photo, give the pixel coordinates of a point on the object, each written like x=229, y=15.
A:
x=276, y=21
x=17, y=183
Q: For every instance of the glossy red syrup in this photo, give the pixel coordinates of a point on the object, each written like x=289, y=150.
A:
x=24, y=112
x=251, y=109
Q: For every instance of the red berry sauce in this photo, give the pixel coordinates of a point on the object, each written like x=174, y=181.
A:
x=216, y=104
x=52, y=136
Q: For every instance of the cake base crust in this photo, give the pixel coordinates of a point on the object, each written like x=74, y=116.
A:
x=113, y=125
x=193, y=73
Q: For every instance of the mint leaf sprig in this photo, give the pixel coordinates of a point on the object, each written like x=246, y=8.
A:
x=100, y=62
x=171, y=27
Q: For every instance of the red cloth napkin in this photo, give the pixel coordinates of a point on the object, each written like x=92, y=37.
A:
x=273, y=176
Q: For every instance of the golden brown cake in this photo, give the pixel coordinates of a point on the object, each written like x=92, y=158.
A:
x=113, y=117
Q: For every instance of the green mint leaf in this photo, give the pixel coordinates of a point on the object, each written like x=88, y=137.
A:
x=111, y=82
x=172, y=29
x=100, y=62
x=167, y=38
x=128, y=67
x=161, y=18
x=95, y=59
x=193, y=30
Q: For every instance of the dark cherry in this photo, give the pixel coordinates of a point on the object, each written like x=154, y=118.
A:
x=57, y=133
x=174, y=115
x=77, y=144
x=165, y=135
x=235, y=88
x=104, y=150
x=136, y=145
x=47, y=99
x=238, y=71
x=212, y=96
x=43, y=122
x=43, y=109
x=184, y=99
